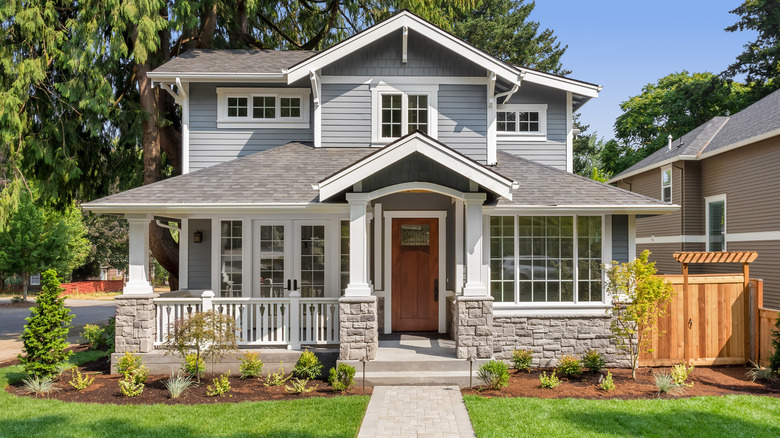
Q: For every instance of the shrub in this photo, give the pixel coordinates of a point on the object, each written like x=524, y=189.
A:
x=278, y=378
x=665, y=384
x=569, y=366
x=680, y=374
x=92, y=333
x=757, y=372
x=251, y=365
x=79, y=381
x=110, y=334
x=593, y=361
x=221, y=385
x=495, y=374
x=39, y=385
x=606, y=383
x=299, y=386
x=46, y=332
x=193, y=365
x=177, y=384
x=308, y=366
x=101, y=337
x=342, y=377
x=550, y=381
x=130, y=364
x=521, y=359
x=208, y=334
x=132, y=385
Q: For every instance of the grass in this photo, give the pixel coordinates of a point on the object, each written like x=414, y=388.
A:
x=732, y=416
x=27, y=417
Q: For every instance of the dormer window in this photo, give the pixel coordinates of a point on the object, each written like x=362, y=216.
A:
x=666, y=184
x=522, y=122
x=263, y=108
x=397, y=111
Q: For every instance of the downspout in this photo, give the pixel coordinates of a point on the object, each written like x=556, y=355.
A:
x=683, y=207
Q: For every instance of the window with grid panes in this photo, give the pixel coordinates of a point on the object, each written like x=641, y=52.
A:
x=418, y=113
x=545, y=259
x=312, y=261
x=502, y=258
x=264, y=107
x=589, y=258
x=391, y=115
x=290, y=106
x=237, y=106
x=231, y=259
x=272, y=261
x=344, y=256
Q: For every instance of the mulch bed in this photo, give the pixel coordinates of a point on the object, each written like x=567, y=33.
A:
x=712, y=381
x=19, y=305
x=105, y=390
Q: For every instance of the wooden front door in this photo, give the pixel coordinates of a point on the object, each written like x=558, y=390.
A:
x=415, y=274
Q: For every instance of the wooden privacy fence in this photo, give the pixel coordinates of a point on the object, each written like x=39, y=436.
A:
x=766, y=323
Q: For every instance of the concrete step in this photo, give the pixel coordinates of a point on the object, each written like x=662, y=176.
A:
x=416, y=378
x=383, y=366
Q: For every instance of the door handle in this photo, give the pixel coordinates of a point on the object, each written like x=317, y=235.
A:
x=295, y=284
x=436, y=290
x=288, y=285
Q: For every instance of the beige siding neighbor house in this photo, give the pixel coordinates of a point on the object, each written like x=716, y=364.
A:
x=725, y=175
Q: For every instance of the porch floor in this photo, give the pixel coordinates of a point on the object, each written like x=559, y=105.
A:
x=415, y=347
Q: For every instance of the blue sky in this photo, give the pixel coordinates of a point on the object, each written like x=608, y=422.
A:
x=624, y=45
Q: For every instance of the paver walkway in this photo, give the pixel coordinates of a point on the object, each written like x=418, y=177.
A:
x=416, y=411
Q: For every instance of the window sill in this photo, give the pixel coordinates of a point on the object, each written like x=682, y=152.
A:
x=222, y=124
x=551, y=309
x=520, y=137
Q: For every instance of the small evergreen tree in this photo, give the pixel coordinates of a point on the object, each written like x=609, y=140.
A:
x=46, y=332
x=774, y=359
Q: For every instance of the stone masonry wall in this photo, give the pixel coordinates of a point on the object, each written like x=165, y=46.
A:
x=553, y=336
x=358, y=327
x=472, y=322
x=135, y=329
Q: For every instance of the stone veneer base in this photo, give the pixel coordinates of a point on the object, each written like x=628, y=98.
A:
x=472, y=319
x=358, y=334
x=135, y=329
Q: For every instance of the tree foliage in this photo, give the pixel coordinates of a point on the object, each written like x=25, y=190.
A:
x=45, y=335
x=761, y=59
x=108, y=239
x=639, y=299
x=38, y=238
x=210, y=335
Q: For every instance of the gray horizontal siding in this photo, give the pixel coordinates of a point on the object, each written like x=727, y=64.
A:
x=551, y=152
x=463, y=119
x=199, y=255
x=620, y=238
x=346, y=115
x=210, y=145
x=383, y=58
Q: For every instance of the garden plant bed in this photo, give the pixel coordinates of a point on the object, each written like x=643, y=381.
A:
x=710, y=381
x=105, y=389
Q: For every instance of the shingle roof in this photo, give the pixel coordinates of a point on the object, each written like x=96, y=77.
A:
x=719, y=132
x=542, y=185
x=285, y=175
x=234, y=61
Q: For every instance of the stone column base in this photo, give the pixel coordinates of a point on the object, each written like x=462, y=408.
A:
x=472, y=324
x=135, y=327
x=358, y=335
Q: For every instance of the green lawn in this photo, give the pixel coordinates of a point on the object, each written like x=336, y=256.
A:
x=323, y=417
x=730, y=416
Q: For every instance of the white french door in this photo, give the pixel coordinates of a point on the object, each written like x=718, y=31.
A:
x=292, y=256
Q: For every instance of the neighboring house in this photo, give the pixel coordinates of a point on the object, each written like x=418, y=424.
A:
x=401, y=180
x=725, y=175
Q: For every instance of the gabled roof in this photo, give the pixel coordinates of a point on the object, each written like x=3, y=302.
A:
x=720, y=134
x=283, y=177
x=238, y=64
x=405, y=146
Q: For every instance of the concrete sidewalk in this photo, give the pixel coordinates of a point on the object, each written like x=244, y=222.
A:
x=416, y=411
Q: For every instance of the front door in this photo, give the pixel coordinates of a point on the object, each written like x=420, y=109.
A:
x=415, y=273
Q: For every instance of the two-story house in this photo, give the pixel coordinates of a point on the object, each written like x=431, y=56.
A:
x=401, y=180
x=724, y=175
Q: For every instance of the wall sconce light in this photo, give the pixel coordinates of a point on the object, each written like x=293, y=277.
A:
x=197, y=237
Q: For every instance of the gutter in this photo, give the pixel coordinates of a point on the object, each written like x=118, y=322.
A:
x=652, y=166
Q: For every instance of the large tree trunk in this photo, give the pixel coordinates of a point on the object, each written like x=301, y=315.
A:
x=25, y=283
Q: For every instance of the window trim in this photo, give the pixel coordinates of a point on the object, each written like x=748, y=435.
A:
x=664, y=169
x=606, y=252
x=707, y=201
x=382, y=88
x=516, y=135
x=223, y=121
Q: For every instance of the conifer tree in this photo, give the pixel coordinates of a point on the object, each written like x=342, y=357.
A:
x=46, y=332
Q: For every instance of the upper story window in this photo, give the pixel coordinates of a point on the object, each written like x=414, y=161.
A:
x=262, y=107
x=397, y=111
x=522, y=121
x=716, y=222
x=666, y=184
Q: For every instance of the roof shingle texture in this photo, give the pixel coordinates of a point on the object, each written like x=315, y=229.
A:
x=234, y=61
x=285, y=175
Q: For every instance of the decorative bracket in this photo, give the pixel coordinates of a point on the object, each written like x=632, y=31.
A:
x=316, y=87
x=492, y=87
x=179, y=95
x=405, y=43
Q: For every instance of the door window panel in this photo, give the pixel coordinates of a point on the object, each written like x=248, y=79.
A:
x=231, y=259
x=312, y=260
x=272, y=281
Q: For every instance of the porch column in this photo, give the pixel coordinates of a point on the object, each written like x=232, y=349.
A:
x=475, y=285
x=138, y=260
x=358, y=246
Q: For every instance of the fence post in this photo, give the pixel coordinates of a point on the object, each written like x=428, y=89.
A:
x=295, y=320
x=206, y=297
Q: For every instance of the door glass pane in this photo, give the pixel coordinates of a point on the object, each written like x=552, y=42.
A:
x=272, y=261
x=717, y=226
x=415, y=235
x=231, y=259
x=344, y=255
x=312, y=250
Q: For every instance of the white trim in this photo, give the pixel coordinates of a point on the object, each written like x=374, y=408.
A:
x=184, y=89
x=388, y=244
x=216, y=77
x=278, y=122
x=540, y=135
x=405, y=147
x=564, y=310
x=688, y=238
x=405, y=44
x=747, y=141
x=753, y=237
x=631, y=237
x=432, y=93
x=459, y=246
x=563, y=210
x=571, y=85
x=378, y=219
x=569, y=132
x=664, y=169
x=492, y=158
x=404, y=80
x=707, y=201
x=757, y=236
x=316, y=87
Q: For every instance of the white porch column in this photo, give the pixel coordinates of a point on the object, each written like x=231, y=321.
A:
x=138, y=263
x=475, y=284
x=358, y=246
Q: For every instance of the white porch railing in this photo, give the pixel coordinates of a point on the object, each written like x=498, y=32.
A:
x=290, y=321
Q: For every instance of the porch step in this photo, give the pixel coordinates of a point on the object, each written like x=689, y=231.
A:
x=415, y=372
